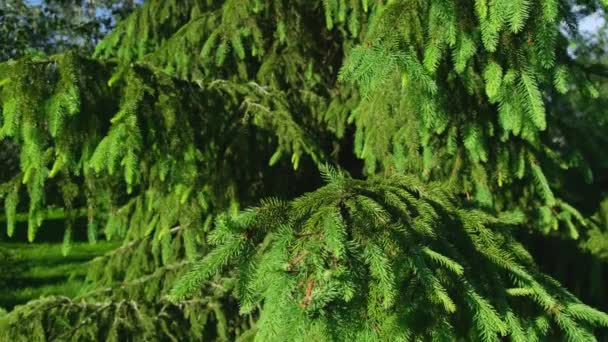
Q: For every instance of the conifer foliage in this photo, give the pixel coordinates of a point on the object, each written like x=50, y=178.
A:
x=450, y=111
x=363, y=260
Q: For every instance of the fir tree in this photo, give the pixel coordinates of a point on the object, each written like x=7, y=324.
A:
x=191, y=110
x=38, y=28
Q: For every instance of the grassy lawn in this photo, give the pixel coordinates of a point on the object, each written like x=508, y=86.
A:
x=40, y=269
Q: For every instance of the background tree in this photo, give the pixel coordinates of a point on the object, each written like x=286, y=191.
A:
x=52, y=26
x=38, y=28
x=191, y=110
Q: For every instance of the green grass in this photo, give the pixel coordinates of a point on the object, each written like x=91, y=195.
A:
x=40, y=269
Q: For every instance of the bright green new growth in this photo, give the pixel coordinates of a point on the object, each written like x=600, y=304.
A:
x=455, y=94
x=363, y=260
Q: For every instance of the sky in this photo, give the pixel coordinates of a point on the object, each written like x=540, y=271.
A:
x=592, y=23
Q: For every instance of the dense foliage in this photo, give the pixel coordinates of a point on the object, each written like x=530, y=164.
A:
x=465, y=126
x=36, y=28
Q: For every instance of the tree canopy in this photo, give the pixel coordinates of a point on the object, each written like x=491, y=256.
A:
x=200, y=134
